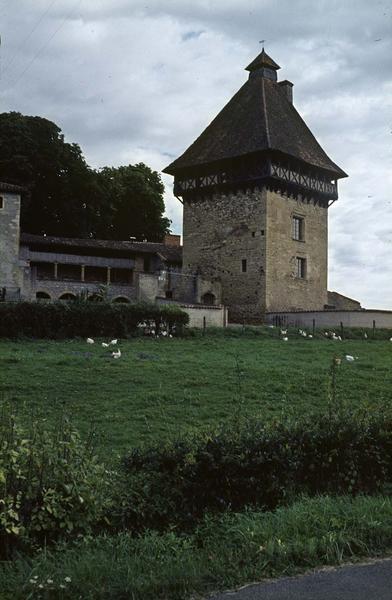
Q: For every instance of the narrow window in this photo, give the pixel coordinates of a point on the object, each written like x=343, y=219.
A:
x=253, y=234
x=1, y=202
x=243, y=265
x=300, y=267
x=262, y=232
x=298, y=229
x=147, y=264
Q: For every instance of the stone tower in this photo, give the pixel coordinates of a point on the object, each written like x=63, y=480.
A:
x=256, y=187
x=10, y=272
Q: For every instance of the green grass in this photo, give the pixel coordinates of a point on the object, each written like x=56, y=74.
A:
x=163, y=388
x=233, y=550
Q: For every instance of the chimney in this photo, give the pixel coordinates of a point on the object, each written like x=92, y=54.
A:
x=287, y=89
x=172, y=240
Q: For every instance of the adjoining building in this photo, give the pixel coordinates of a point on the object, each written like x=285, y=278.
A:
x=256, y=187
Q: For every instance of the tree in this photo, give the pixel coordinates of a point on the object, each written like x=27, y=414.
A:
x=68, y=198
x=135, y=206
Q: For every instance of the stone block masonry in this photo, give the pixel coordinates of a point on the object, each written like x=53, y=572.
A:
x=10, y=272
x=245, y=241
x=224, y=240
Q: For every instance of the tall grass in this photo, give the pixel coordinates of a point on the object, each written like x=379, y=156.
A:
x=232, y=550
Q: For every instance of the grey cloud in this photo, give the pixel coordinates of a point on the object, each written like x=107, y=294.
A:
x=130, y=81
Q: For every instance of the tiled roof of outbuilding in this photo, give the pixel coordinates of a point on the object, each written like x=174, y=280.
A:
x=168, y=253
x=10, y=187
x=258, y=118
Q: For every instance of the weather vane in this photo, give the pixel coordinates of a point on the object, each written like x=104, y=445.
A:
x=262, y=42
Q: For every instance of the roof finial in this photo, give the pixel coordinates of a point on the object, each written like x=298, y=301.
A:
x=262, y=42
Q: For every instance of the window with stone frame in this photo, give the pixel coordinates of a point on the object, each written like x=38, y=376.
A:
x=300, y=267
x=298, y=228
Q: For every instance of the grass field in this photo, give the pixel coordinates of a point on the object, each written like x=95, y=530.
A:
x=165, y=387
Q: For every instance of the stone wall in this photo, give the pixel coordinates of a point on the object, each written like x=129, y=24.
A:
x=332, y=318
x=284, y=290
x=11, y=274
x=245, y=241
x=220, y=232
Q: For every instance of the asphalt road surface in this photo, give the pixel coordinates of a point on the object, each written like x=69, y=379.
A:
x=361, y=582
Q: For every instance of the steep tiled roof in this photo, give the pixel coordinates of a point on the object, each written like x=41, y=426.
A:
x=9, y=187
x=169, y=253
x=258, y=118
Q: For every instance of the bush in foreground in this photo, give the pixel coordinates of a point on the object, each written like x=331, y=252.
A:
x=222, y=553
x=254, y=465
x=85, y=319
x=51, y=485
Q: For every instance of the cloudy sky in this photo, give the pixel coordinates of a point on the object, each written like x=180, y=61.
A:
x=138, y=81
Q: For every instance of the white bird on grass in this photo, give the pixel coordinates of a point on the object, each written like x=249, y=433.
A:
x=349, y=358
x=310, y=336
x=285, y=339
x=105, y=345
x=283, y=331
x=117, y=354
x=365, y=336
x=90, y=341
x=113, y=342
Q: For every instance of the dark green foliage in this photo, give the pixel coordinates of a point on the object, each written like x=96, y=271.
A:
x=134, y=205
x=223, y=553
x=255, y=465
x=66, y=197
x=59, y=320
x=51, y=485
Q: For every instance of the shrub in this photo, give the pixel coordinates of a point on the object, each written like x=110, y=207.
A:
x=254, y=465
x=223, y=553
x=51, y=485
x=82, y=319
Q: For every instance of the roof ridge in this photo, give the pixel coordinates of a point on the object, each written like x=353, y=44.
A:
x=267, y=131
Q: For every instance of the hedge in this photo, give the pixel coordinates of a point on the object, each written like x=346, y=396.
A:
x=254, y=466
x=82, y=319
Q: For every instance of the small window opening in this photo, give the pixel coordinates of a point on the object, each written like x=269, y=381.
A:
x=147, y=264
x=300, y=267
x=298, y=229
x=253, y=234
x=1, y=202
x=262, y=232
x=209, y=299
x=243, y=265
x=169, y=294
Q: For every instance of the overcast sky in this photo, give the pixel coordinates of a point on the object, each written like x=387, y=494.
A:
x=135, y=81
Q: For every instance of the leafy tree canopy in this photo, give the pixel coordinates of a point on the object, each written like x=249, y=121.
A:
x=68, y=198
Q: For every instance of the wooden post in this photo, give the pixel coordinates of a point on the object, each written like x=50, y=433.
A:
x=82, y=273
x=341, y=329
x=55, y=270
x=108, y=275
x=204, y=325
x=374, y=328
x=314, y=326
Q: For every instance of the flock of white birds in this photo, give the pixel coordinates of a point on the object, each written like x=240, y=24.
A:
x=115, y=353
x=283, y=332
x=328, y=334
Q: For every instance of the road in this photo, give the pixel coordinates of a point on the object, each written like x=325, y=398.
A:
x=360, y=582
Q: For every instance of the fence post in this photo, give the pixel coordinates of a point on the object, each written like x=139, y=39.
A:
x=314, y=326
x=341, y=329
x=204, y=325
x=374, y=328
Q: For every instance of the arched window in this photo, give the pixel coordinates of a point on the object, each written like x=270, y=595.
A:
x=42, y=296
x=208, y=299
x=68, y=296
x=122, y=299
